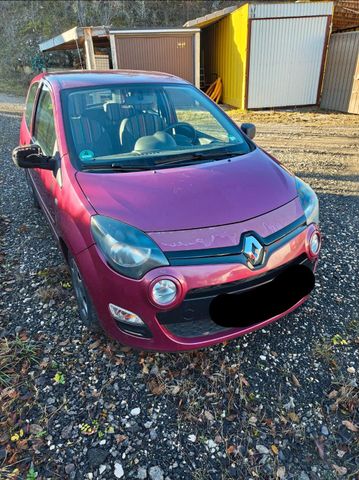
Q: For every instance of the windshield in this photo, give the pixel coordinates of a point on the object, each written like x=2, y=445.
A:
x=146, y=126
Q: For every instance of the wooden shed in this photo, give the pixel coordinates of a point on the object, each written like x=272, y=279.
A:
x=341, y=80
x=170, y=50
x=267, y=54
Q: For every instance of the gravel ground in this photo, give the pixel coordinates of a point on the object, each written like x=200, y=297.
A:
x=279, y=403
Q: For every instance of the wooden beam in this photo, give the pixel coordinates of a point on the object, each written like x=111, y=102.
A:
x=113, y=52
x=89, y=50
x=55, y=42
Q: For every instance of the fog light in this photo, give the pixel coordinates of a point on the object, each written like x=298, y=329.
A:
x=124, y=316
x=314, y=243
x=164, y=292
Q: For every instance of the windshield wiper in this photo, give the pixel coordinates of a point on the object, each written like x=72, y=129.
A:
x=186, y=158
x=118, y=167
x=181, y=159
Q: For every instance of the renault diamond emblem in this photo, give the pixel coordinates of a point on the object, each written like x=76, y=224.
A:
x=253, y=250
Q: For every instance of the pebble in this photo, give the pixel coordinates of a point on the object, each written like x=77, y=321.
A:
x=153, y=434
x=66, y=432
x=96, y=456
x=156, y=473
x=142, y=473
x=351, y=370
x=192, y=438
x=118, y=472
x=70, y=467
x=135, y=411
x=325, y=430
x=102, y=469
x=262, y=449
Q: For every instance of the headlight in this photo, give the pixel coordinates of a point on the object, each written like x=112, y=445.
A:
x=308, y=200
x=127, y=250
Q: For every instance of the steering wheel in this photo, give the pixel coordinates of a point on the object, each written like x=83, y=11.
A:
x=184, y=129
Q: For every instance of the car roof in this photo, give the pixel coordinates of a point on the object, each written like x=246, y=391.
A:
x=86, y=78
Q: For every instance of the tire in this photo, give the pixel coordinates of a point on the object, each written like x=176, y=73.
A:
x=87, y=310
x=35, y=201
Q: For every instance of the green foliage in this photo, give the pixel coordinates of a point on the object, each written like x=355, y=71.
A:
x=31, y=474
x=339, y=340
x=59, y=378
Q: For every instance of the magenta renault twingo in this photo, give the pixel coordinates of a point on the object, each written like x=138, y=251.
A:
x=178, y=230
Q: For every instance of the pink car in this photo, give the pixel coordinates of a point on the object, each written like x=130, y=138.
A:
x=178, y=230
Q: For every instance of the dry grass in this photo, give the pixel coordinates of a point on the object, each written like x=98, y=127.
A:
x=312, y=117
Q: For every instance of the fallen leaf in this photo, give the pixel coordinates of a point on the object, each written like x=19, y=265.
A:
x=243, y=381
x=340, y=470
x=280, y=473
x=295, y=381
x=156, y=388
x=209, y=416
x=333, y=394
x=176, y=389
x=230, y=418
x=94, y=345
x=35, y=429
x=120, y=438
x=274, y=449
x=320, y=447
x=294, y=417
x=252, y=420
x=230, y=449
x=350, y=426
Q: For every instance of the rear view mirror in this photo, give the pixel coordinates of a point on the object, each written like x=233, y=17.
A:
x=249, y=129
x=31, y=156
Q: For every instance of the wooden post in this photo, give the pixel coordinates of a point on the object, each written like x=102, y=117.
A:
x=113, y=52
x=89, y=50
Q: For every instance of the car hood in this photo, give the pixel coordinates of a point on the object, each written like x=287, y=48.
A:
x=202, y=195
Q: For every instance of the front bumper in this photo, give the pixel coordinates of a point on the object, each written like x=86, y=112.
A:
x=186, y=324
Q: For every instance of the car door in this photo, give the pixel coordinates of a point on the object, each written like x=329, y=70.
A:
x=44, y=135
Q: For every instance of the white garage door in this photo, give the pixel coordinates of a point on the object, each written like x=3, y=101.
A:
x=285, y=61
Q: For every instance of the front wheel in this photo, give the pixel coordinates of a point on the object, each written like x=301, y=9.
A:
x=87, y=311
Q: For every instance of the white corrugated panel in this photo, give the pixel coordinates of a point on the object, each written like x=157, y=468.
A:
x=285, y=61
x=272, y=10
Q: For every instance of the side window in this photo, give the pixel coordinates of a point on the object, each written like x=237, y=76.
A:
x=44, y=128
x=30, y=103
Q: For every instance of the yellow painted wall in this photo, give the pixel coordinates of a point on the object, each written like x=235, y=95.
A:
x=225, y=54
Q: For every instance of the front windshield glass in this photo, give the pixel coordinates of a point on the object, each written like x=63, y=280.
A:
x=141, y=126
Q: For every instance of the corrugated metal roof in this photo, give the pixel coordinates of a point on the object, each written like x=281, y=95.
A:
x=273, y=10
x=266, y=10
x=210, y=18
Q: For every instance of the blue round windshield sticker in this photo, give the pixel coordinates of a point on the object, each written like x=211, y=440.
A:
x=86, y=155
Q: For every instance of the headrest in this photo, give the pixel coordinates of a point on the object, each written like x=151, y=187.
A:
x=77, y=104
x=112, y=110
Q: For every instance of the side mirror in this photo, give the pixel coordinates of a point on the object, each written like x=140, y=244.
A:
x=249, y=129
x=31, y=156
